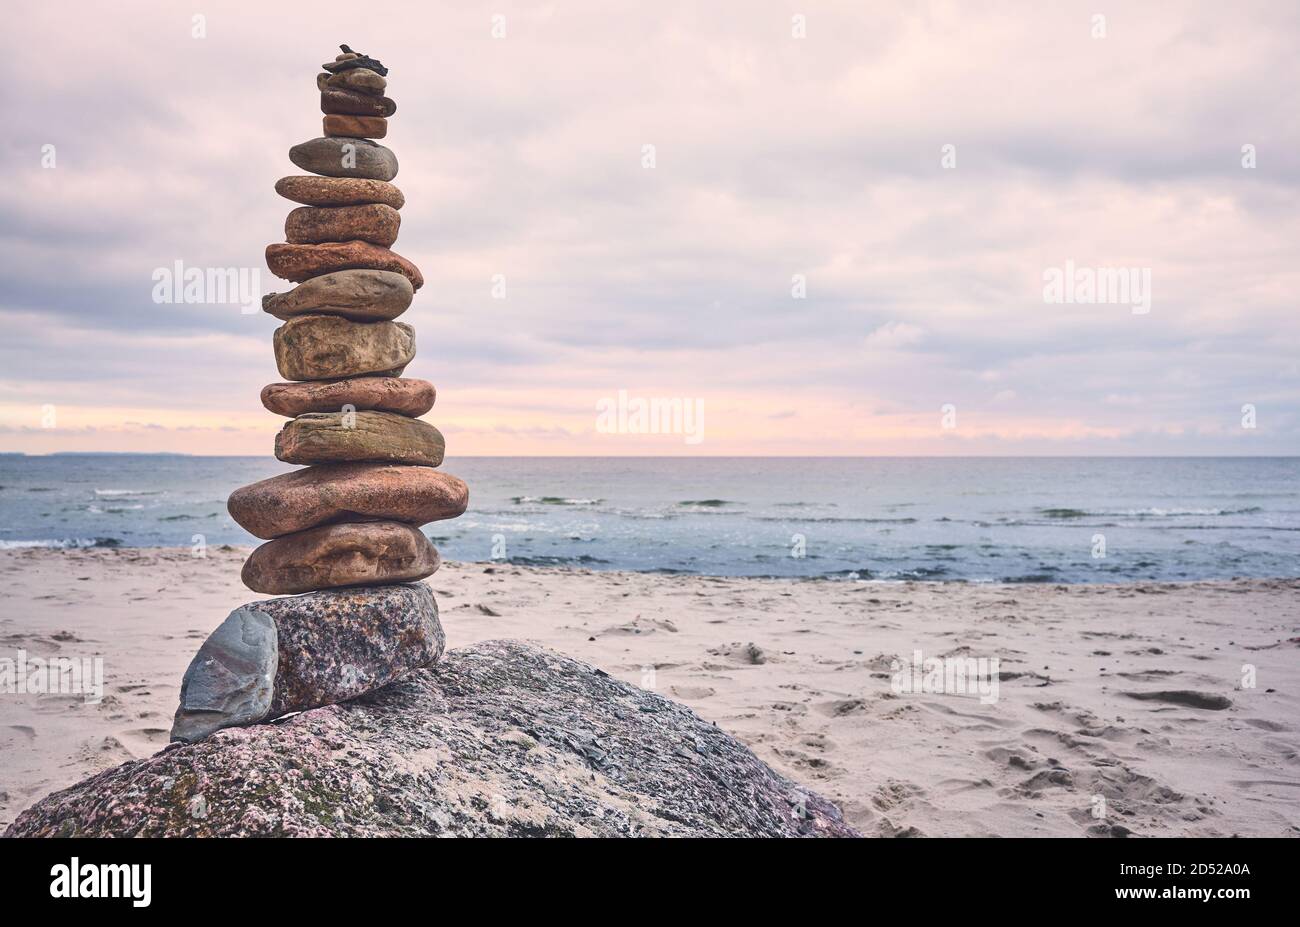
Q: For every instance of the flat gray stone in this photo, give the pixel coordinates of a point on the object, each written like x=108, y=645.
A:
x=231, y=679
x=345, y=157
x=359, y=295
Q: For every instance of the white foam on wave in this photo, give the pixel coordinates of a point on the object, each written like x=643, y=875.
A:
x=58, y=543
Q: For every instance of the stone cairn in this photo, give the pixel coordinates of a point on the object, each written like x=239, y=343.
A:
x=345, y=529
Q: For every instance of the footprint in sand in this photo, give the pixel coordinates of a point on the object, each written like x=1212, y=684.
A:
x=746, y=654
x=693, y=693
x=639, y=626
x=840, y=707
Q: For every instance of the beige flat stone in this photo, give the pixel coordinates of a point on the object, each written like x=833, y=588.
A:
x=337, y=437
x=359, y=295
x=375, y=223
x=311, y=190
x=366, y=553
x=327, y=347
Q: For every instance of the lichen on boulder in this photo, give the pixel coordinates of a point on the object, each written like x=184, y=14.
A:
x=498, y=739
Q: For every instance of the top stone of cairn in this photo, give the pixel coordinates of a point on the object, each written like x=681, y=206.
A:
x=350, y=59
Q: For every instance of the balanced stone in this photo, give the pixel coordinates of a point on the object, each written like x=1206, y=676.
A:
x=360, y=295
x=351, y=492
x=338, y=191
x=277, y=656
x=326, y=347
x=344, y=63
x=382, y=394
x=355, y=126
x=350, y=103
x=345, y=157
x=335, y=437
x=367, y=553
x=312, y=225
x=302, y=262
x=360, y=80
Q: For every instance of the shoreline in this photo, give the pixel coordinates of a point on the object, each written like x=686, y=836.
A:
x=56, y=547
x=799, y=669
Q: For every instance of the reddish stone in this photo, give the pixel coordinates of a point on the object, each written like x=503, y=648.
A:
x=385, y=394
x=351, y=492
x=302, y=262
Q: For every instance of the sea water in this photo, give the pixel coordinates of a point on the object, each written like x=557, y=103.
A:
x=1065, y=520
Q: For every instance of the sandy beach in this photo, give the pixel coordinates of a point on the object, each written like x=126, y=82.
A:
x=1108, y=717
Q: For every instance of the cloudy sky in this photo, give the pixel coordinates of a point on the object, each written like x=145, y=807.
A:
x=776, y=157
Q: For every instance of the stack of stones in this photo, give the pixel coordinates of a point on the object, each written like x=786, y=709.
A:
x=345, y=529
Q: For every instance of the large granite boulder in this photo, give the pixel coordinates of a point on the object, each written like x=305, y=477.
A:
x=500, y=739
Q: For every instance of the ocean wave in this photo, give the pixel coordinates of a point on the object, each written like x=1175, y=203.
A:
x=546, y=561
x=924, y=574
x=113, y=493
x=706, y=503
x=553, y=500
x=1048, y=576
x=1151, y=512
x=61, y=543
x=837, y=519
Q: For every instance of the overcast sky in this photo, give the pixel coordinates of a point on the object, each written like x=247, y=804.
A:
x=774, y=155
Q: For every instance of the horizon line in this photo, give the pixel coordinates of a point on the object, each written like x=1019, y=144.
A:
x=1133, y=456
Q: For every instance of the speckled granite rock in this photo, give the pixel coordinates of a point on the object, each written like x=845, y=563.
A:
x=498, y=739
x=355, y=492
x=361, y=553
x=337, y=437
x=318, y=649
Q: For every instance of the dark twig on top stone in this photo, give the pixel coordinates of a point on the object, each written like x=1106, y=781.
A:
x=361, y=61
